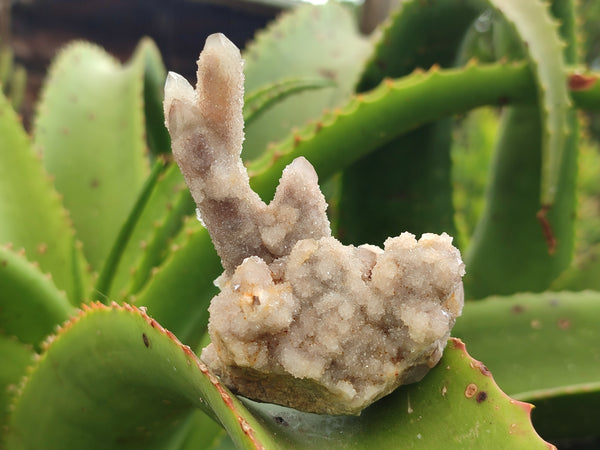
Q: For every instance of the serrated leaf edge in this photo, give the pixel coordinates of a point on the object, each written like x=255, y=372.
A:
x=458, y=344
x=92, y=307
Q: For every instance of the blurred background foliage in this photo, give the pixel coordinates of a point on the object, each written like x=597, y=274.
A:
x=33, y=30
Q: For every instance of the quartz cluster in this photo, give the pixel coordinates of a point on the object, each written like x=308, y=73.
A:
x=302, y=320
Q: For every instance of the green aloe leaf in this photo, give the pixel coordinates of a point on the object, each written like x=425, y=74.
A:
x=373, y=119
x=566, y=413
x=142, y=383
x=30, y=303
x=16, y=357
x=124, y=382
x=545, y=349
x=148, y=57
x=471, y=154
x=444, y=22
x=90, y=130
x=512, y=203
x=539, y=31
x=179, y=291
x=419, y=35
x=585, y=89
x=459, y=392
x=203, y=432
x=33, y=217
x=282, y=51
x=529, y=141
x=436, y=31
x=402, y=186
x=13, y=77
x=260, y=100
x=162, y=219
x=406, y=184
x=115, y=256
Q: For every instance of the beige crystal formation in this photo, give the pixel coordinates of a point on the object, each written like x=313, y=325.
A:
x=302, y=320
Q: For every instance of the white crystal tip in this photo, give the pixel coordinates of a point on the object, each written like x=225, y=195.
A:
x=219, y=40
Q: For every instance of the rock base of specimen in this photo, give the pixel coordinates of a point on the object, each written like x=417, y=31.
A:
x=302, y=320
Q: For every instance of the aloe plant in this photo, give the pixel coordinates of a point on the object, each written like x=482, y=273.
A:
x=14, y=79
x=106, y=275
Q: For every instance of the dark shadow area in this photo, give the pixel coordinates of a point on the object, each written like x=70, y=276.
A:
x=179, y=27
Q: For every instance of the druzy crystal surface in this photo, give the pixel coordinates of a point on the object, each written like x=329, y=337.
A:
x=302, y=320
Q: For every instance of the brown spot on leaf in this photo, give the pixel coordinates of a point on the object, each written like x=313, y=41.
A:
x=297, y=140
x=381, y=64
x=564, y=324
x=481, y=396
x=580, y=82
x=328, y=73
x=280, y=421
x=471, y=390
x=503, y=101
x=536, y=324
x=95, y=183
x=484, y=370
x=517, y=309
x=547, y=229
x=146, y=340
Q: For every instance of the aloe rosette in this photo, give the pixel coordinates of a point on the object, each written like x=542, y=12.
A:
x=106, y=275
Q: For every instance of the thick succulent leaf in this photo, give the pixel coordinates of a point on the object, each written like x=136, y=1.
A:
x=123, y=240
x=457, y=405
x=426, y=33
x=141, y=382
x=316, y=42
x=150, y=207
x=30, y=303
x=13, y=77
x=163, y=216
x=528, y=142
x=16, y=357
x=566, y=11
x=403, y=186
x=471, y=155
x=260, y=100
x=204, y=433
x=444, y=22
x=509, y=228
x=374, y=118
x=147, y=56
x=585, y=89
x=567, y=413
x=583, y=273
x=539, y=32
x=179, y=291
x=123, y=381
x=32, y=214
x=419, y=34
x=542, y=348
x=90, y=129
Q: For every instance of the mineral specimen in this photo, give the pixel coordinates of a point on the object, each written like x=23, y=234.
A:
x=302, y=320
